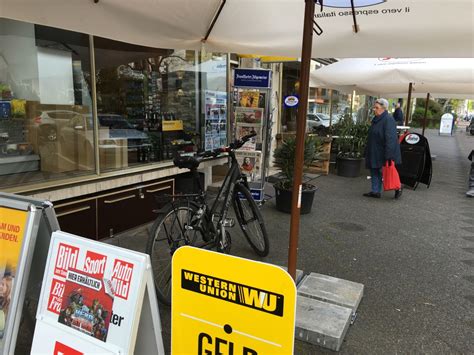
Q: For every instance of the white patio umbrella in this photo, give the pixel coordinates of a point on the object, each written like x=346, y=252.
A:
x=390, y=77
x=398, y=28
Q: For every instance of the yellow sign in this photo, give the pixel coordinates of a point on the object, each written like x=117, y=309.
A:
x=12, y=230
x=223, y=304
x=176, y=125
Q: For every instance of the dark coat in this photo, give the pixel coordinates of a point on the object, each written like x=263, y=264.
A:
x=382, y=142
x=398, y=116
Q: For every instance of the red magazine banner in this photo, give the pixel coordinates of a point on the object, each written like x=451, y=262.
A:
x=66, y=258
x=86, y=304
x=62, y=349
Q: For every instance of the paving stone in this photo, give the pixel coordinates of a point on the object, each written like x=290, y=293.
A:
x=331, y=289
x=321, y=323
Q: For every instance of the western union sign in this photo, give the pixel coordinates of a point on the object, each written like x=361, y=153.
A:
x=229, y=305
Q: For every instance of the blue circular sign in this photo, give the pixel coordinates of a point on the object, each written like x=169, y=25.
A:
x=291, y=101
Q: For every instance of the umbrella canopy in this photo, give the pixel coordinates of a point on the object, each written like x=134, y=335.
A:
x=402, y=28
x=441, y=77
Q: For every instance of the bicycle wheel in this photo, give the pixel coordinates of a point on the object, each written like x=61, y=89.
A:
x=250, y=220
x=167, y=234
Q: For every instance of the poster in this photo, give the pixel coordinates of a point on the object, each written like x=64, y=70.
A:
x=246, y=307
x=251, y=98
x=87, y=304
x=12, y=230
x=249, y=163
x=248, y=115
x=244, y=129
x=215, y=109
x=91, y=290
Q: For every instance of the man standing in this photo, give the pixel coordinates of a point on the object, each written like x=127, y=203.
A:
x=398, y=115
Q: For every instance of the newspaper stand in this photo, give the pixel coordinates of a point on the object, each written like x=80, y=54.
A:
x=26, y=225
x=251, y=113
x=416, y=164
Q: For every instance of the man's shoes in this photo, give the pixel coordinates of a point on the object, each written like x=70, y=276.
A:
x=470, y=193
x=398, y=193
x=372, y=194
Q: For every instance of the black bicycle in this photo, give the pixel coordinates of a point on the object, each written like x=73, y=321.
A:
x=188, y=220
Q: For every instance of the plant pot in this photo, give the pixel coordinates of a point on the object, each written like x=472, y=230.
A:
x=291, y=126
x=283, y=198
x=348, y=167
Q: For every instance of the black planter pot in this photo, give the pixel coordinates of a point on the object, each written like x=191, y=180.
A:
x=283, y=198
x=348, y=167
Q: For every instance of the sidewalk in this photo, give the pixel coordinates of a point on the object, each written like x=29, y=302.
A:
x=414, y=255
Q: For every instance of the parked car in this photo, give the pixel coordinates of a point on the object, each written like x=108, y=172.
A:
x=46, y=123
x=316, y=120
x=119, y=129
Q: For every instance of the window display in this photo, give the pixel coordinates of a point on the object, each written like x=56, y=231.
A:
x=44, y=86
x=151, y=104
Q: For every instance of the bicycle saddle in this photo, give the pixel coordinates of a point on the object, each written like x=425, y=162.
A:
x=186, y=162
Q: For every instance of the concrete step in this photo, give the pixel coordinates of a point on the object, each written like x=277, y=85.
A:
x=331, y=289
x=321, y=323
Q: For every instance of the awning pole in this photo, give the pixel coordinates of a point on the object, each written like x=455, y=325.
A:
x=214, y=20
x=300, y=136
x=426, y=111
x=407, y=117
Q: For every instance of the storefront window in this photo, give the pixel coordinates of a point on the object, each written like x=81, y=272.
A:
x=212, y=70
x=45, y=91
x=146, y=103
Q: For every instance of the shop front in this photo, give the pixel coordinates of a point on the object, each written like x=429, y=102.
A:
x=88, y=122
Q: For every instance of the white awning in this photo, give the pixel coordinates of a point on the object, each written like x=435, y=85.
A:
x=393, y=28
x=441, y=77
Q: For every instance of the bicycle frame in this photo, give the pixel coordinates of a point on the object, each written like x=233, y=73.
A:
x=232, y=177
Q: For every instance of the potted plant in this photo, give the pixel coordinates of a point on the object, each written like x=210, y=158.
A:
x=285, y=160
x=350, y=144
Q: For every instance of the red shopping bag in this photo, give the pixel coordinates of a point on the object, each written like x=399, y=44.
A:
x=391, y=179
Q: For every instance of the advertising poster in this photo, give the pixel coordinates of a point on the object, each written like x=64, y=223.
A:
x=249, y=163
x=215, y=119
x=246, y=307
x=248, y=115
x=244, y=129
x=91, y=291
x=12, y=230
x=251, y=98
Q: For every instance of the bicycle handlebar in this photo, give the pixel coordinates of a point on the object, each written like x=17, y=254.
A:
x=233, y=146
x=192, y=162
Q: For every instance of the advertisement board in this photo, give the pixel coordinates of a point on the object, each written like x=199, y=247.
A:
x=92, y=299
x=26, y=225
x=12, y=233
x=223, y=304
x=252, y=78
x=446, y=124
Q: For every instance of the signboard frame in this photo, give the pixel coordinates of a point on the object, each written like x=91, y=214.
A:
x=40, y=223
x=138, y=307
x=214, y=296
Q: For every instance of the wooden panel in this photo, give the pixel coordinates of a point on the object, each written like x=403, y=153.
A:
x=78, y=218
x=130, y=207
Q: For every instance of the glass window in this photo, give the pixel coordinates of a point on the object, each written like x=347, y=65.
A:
x=146, y=103
x=44, y=87
x=212, y=71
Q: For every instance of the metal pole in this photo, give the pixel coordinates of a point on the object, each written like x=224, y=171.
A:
x=426, y=111
x=330, y=108
x=300, y=135
x=410, y=87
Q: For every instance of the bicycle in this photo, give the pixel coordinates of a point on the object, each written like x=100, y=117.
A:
x=188, y=219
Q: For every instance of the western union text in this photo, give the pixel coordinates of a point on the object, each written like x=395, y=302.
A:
x=226, y=290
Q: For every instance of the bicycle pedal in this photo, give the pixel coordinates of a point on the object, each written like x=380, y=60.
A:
x=228, y=222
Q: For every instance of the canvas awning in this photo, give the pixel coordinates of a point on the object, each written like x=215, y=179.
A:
x=441, y=77
x=397, y=28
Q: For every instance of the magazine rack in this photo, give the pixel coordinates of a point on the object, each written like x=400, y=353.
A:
x=251, y=113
